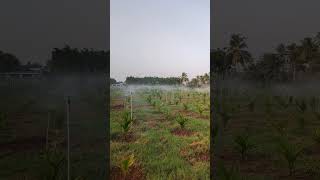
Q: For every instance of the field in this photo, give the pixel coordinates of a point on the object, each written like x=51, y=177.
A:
x=266, y=132
x=33, y=136
x=166, y=137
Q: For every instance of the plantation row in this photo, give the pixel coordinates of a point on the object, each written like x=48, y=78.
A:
x=276, y=130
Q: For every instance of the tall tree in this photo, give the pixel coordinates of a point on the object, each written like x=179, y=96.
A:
x=237, y=51
x=8, y=62
x=184, y=78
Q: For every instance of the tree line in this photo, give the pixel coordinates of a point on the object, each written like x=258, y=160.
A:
x=281, y=65
x=63, y=60
x=198, y=81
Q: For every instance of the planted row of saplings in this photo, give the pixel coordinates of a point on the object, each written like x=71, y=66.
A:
x=168, y=113
x=156, y=99
x=127, y=119
x=295, y=108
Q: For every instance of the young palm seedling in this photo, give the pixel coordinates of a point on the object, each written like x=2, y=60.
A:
x=301, y=122
x=314, y=104
x=181, y=121
x=243, y=145
x=280, y=126
x=149, y=99
x=185, y=106
x=251, y=106
x=301, y=105
x=225, y=117
x=316, y=136
x=126, y=121
x=3, y=120
x=283, y=103
x=224, y=173
x=290, y=153
x=55, y=160
x=214, y=132
x=126, y=164
x=200, y=109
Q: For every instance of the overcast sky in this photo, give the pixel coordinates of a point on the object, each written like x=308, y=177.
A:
x=31, y=28
x=266, y=23
x=159, y=38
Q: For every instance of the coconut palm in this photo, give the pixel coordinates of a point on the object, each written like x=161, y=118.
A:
x=237, y=51
x=184, y=78
x=293, y=52
x=308, y=50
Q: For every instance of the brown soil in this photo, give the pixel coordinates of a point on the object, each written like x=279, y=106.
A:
x=126, y=137
x=20, y=145
x=152, y=124
x=196, y=152
x=256, y=164
x=181, y=132
x=135, y=173
x=117, y=107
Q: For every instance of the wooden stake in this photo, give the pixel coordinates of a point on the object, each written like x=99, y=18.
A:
x=131, y=103
x=47, y=136
x=68, y=137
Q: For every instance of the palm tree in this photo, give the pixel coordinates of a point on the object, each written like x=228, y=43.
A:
x=206, y=78
x=237, y=51
x=308, y=50
x=184, y=78
x=220, y=64
x=317, y=39
x=293, y=52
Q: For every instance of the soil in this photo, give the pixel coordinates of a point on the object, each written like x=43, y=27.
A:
x=125, y=137
x=181, y=132
x=200, y=153
x=20, y=145
x=117, y=107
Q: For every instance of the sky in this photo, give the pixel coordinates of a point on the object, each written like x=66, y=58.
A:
x=159, y=38
x=265, y=23
x=31, y=29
